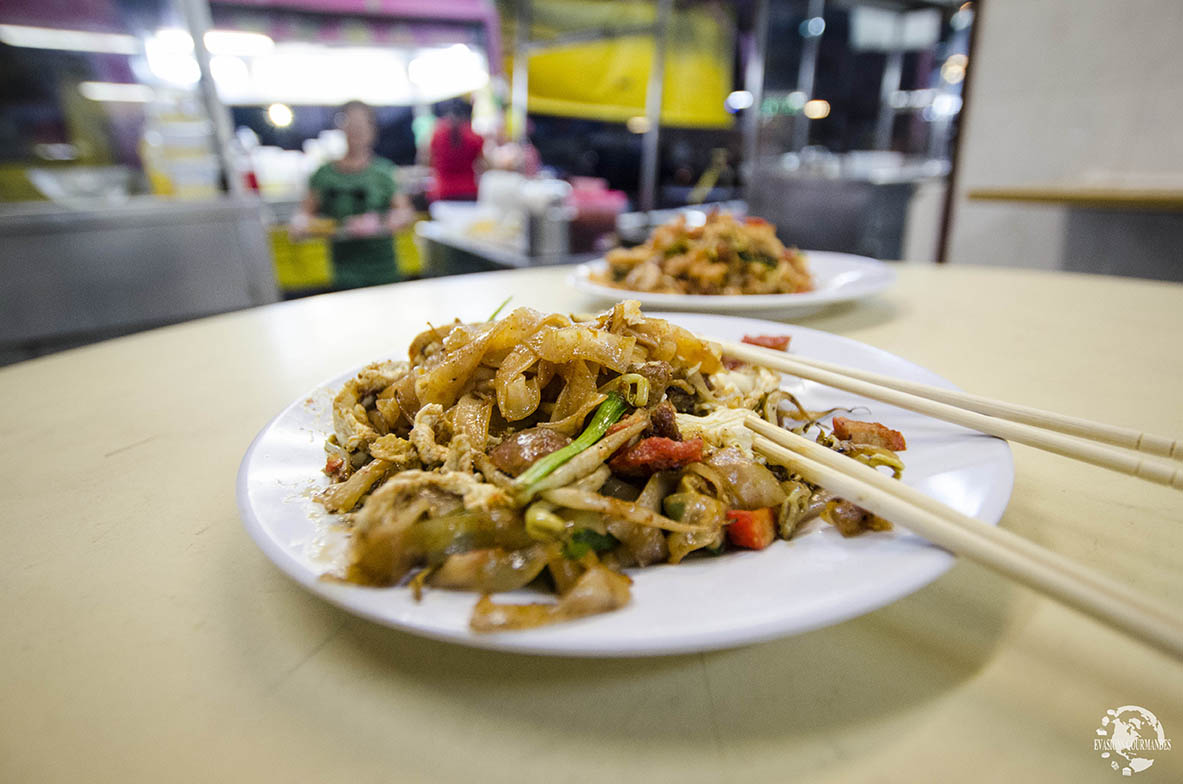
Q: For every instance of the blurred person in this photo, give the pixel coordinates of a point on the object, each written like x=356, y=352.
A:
x=456, y=152
x=512, y=156
x=359, y=194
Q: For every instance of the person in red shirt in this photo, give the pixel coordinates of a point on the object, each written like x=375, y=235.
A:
x=456, y=150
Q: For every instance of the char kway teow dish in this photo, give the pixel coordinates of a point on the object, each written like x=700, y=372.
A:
x=558, y=452
x=724, y=256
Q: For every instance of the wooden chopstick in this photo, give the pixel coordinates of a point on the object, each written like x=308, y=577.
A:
x=1074, y=426
x=1011, y=555
x=1150, y=469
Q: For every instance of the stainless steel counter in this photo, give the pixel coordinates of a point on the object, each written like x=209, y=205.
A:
x=449, y=252
x=70, y=276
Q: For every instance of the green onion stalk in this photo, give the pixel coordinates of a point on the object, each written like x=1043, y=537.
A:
x=608, y=414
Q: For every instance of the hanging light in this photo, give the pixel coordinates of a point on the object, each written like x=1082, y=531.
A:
x=116, y=92
x=739, y=100
x=280, y=115
x=816, y=109
x=68, y=40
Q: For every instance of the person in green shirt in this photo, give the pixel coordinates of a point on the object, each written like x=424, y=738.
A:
x=359, y=194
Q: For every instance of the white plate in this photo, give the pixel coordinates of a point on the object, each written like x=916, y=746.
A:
x=838, y=277
x=815, y=580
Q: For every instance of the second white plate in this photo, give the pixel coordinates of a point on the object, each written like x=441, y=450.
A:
x=838, y=277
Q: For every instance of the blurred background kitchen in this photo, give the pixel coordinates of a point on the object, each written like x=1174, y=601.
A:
x=155, y=155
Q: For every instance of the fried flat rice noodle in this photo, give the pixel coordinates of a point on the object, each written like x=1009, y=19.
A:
x=543, y=443
x=597, y=590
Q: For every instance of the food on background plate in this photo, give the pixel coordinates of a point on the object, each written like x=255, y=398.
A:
x=725, y=255
x=544, y=449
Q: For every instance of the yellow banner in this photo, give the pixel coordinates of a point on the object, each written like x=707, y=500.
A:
x=607, y=80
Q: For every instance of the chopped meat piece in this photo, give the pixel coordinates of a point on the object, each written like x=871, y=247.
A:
x=733, y=364
x=682, y=401
x=650, y=455
x=871, y=433
x=851, y=520
x=658, y=374
x=778, y=342
x=423, y=434
x=333, y=466
x=518, y=452
x=663, y=422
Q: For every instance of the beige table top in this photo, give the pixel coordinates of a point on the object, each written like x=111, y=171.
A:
x=146, y=638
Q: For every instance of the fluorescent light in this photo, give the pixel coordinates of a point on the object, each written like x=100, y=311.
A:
x=280, y=115
x=446, y=72
x=315, y=75
x=953, y=71
x=56, y=152
x=235, y=42
x=638, y=124
x=170, y=57
x=120, y=92
x=812, y=28
x=963, y=18
x=68, y=40
x=816, y=109
x=312, y=74
x=921, y=98
x=238, y=42
x=173, y=39
x=169, y=52
x=946, y=105
x=738, y=100
x=229, y=71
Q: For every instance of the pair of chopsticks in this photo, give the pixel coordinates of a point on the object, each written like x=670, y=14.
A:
x=1018, y=558
x=1045, y=430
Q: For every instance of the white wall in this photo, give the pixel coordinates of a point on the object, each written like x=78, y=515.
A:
x=1064, y=91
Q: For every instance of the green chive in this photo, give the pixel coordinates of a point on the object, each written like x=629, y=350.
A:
x=609, y=412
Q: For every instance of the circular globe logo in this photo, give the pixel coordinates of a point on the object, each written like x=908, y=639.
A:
x=1129, y=738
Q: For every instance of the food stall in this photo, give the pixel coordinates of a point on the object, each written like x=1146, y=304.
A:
x=644, y=476
x=70, y=279
x=162, y=147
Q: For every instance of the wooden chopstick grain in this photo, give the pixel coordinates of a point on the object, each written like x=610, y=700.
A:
x=1151, y=469
x=1074, y=426
x=1028, y=563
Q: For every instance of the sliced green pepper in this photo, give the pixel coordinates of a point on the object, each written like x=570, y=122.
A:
x=585, y=540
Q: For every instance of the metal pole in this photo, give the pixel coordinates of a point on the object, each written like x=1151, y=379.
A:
x=520, y=90
x=198, y=20
x=892, y=72
x=805, y=74
x=952, y=187
x=647, y=199
x=753, y=80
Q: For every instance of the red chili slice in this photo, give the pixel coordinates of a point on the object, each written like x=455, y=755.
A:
x=778, y=342
x=753, y=529
x=650, y=455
